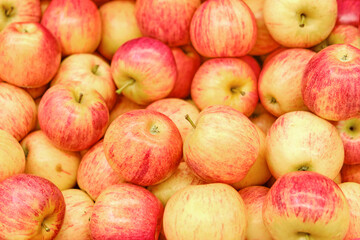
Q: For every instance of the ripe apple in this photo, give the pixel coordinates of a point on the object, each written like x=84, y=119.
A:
x=262, y=118
x=72, y=117
x=348, y=12
x=225, y=81
x=88, y=71
x=126, y=211
x=118, y=26
x=94, y=173
x=12, y=158
x=280, y=81
x=30, y=55
x=210, y=211
x=75, y=23
x=77, y=215
x=19, y=11
x=43, y=159
x=330, y=83
x=230, y=32
x=31, y=208
x=299, y=23
x=306, y=205
x=228, y=160
x=37, y=92
x=350, y=173
x=253, y=63
x=18, y=111
x=144, y=70
x=123, y=105
x=143, y=146
x=169, y=20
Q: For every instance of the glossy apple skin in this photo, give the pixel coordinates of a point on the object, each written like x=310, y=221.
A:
x=262, y=118
x=331, y=81
x=200, y=209
x=280, y=81
x=133, y=209
x=71, y=125
x=123, y=105
x=303, y=202
x=26, y=203
x=150, y=63
x=23, y=11
x=350, y=173
x=30, y=54
x=94, y=173
x=348, y=12
x=75, y=23
x=223, y=29
x=228, y=160
x=18, y=111
x=143, y=146
x=225, y=81
x=12, y=157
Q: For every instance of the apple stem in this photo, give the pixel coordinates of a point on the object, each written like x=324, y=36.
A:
x=47, y=229
x=237, y=90
x=302, y=20
x=303, y=168
x=9, y=11
x=128, y=83
x=187, y=117
x=80, y=97
x=95, y=69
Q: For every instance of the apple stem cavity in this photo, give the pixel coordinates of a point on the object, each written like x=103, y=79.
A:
x=302, y=20
x=47, y=229
x=237, y=90
x=8, y=11
x=303, y=168
x=95, y=69
x=80, y=97
x=128, y=83
x=303, y=236
x=272, y=100
x=187, y=117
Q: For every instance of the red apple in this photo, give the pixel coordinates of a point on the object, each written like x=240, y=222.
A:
x=253, y=63
x=123, y=105
x=348, y=12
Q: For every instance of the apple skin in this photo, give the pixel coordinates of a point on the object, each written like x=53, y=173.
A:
x=267, y=57
x=19, y=11
x=75, y=23
x=253, y=64
x=348, y=12
x=283, y=20
x=43, y=159
x=44, y=4
x=145, y=68
x=77, y=214
x=262, y=118
x=226, y=161
x=330, y=83
x=118, y=26
x=133, y=210
x=94, y=173
x=18, y=111
x=230, y=19
x=12, y=157
x=313, y=144
x=198, y=212
x=280, y=81
x=168, y=21
x=37, y=92
x=123, y=105
x=31, y=207
x=350, y=173
x=254, y=198
x=143, y=146
x=30, y=55
x=291, y=211
x=69, y=124
x=225, y=81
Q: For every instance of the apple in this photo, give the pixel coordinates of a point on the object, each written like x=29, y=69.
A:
x=143, y=146
x=264, y=42
x=210, y=211
x=31, y=208
x=306, y=205
x=262, y=118
x=30, y=55
x=187, y=63
x=43, y=159
x=348, y=12
x=12, y=158
x=225, y=81
x=75, y=23
x=144, y=70
x=77, y=214
x=166, y=20
x=19, y=11
x=253, y=63
x=88, y=71
x=72, y=117
x=176, y=109
x=299, y=23
x=228, y=160
x=230, y=32
x=37, y=92
x=330, y=83
x=119, y=25
x=94, y=173
x=280, y=81
x=18, y=111
x=254, y=198
x=266, y=58
x=123, y=105
x=126, y=211
x=350, y=173
x=302, y=141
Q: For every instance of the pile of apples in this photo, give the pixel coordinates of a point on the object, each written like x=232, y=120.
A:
x=180, y=119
